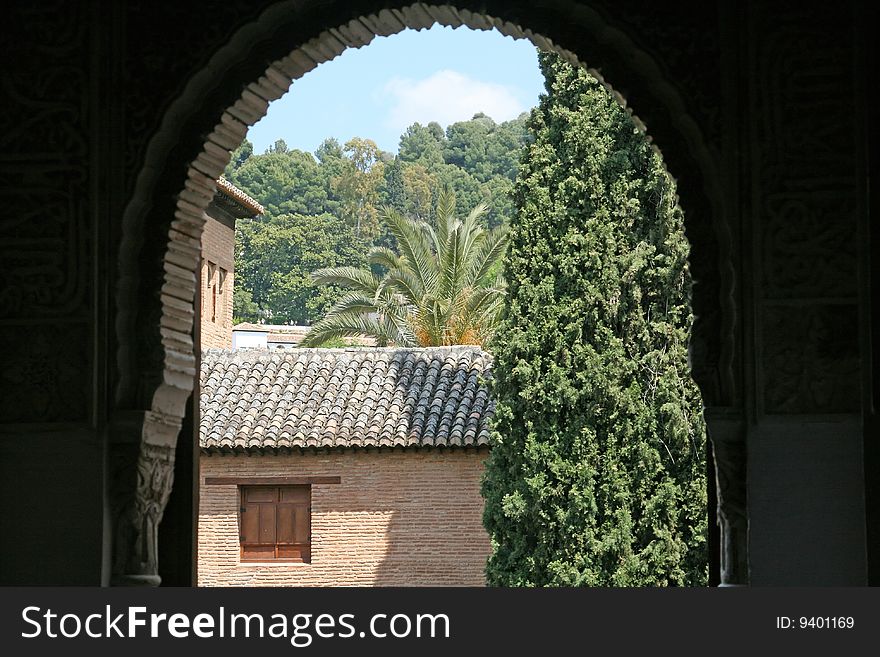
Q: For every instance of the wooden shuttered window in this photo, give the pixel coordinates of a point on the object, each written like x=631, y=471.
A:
x=275, y=523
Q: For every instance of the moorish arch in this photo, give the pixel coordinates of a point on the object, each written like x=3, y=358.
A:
x=155, y=302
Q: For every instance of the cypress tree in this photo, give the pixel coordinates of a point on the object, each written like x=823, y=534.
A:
x=596, y=474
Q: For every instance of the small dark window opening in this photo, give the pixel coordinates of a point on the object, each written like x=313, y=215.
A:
x=212, y=286
x=275, y=523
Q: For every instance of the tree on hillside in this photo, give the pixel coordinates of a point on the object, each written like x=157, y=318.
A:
x=358, y=186
x=440, y=288
x=419, y=185
x=422, y=144
x=243, y=307
x=393, y=190
x=239, y=157
x=274, y=261
x=596, y=474
x=283, y=181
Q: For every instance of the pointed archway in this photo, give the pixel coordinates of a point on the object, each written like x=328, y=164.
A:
x=156, y=296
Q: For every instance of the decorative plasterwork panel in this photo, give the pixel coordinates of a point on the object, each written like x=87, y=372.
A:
x=803, y=180
x=43, y=379
x=45, y=229
x=811, y=358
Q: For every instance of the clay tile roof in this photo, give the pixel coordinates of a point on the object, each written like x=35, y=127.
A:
x=352, y=397
x=239, y=196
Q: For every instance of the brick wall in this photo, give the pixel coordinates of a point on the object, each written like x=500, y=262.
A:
x=218, y=249
x=398, y=518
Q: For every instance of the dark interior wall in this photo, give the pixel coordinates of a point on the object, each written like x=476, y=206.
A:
x=51, y=530
x=52, y=310
x=801, y=215
x=774, y=96
x=807, y=511
x=870, y=290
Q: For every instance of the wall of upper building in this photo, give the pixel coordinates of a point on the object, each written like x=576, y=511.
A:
x=397, y=518
x=218, y=262
x=249, y=339
x=281, y=336
x=218, y=276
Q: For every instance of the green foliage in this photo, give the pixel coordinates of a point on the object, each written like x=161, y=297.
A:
x=357, y=186
x=422, y=144
x=285, y=182
x=239, y=157
x=476, y=161
x=438, y=289
x=596, y=475
x=275, y=257
x=243, y=307
x=393, y=189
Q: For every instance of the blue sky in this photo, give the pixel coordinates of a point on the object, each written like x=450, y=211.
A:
x=375, y=92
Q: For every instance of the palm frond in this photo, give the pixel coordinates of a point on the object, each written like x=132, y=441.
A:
x=487, y=256
x=405, y=282
x=445, y=215
x=414, y=247
x=346, y=325
x=482, y=298
x=451, y=265
x=402, y=330
x=349, y=277
x=434, y=292
x=475, y=233
x=354, y=302
x=382, y=255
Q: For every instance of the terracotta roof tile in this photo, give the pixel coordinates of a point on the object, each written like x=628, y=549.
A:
x=353, y=397
x=242, y=199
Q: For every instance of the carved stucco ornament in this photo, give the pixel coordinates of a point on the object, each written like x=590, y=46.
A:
x=136, y=536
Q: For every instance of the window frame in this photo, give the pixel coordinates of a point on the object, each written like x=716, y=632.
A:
x=221, y=293
x=211, y=288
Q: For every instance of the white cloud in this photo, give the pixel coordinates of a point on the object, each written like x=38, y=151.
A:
x=446, y=97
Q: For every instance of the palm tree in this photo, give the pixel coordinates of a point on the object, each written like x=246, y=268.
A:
x=443, y=288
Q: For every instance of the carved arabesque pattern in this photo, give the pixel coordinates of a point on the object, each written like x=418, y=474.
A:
x=152, y=62
x=683, y=40
x=45, y=230
x=812, y=358
x=42, y=378
x=804, y=187
x=44, y=248
x=807, y=250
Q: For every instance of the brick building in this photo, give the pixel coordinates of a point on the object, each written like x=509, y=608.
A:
x=332, y=467
x=218, y=264
x=335, y=467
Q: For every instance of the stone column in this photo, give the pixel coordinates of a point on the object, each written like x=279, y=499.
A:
x=726, y=430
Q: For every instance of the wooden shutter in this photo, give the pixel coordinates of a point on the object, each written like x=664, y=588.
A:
x=294, y=523
x=275, y=523
x=258, y=522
